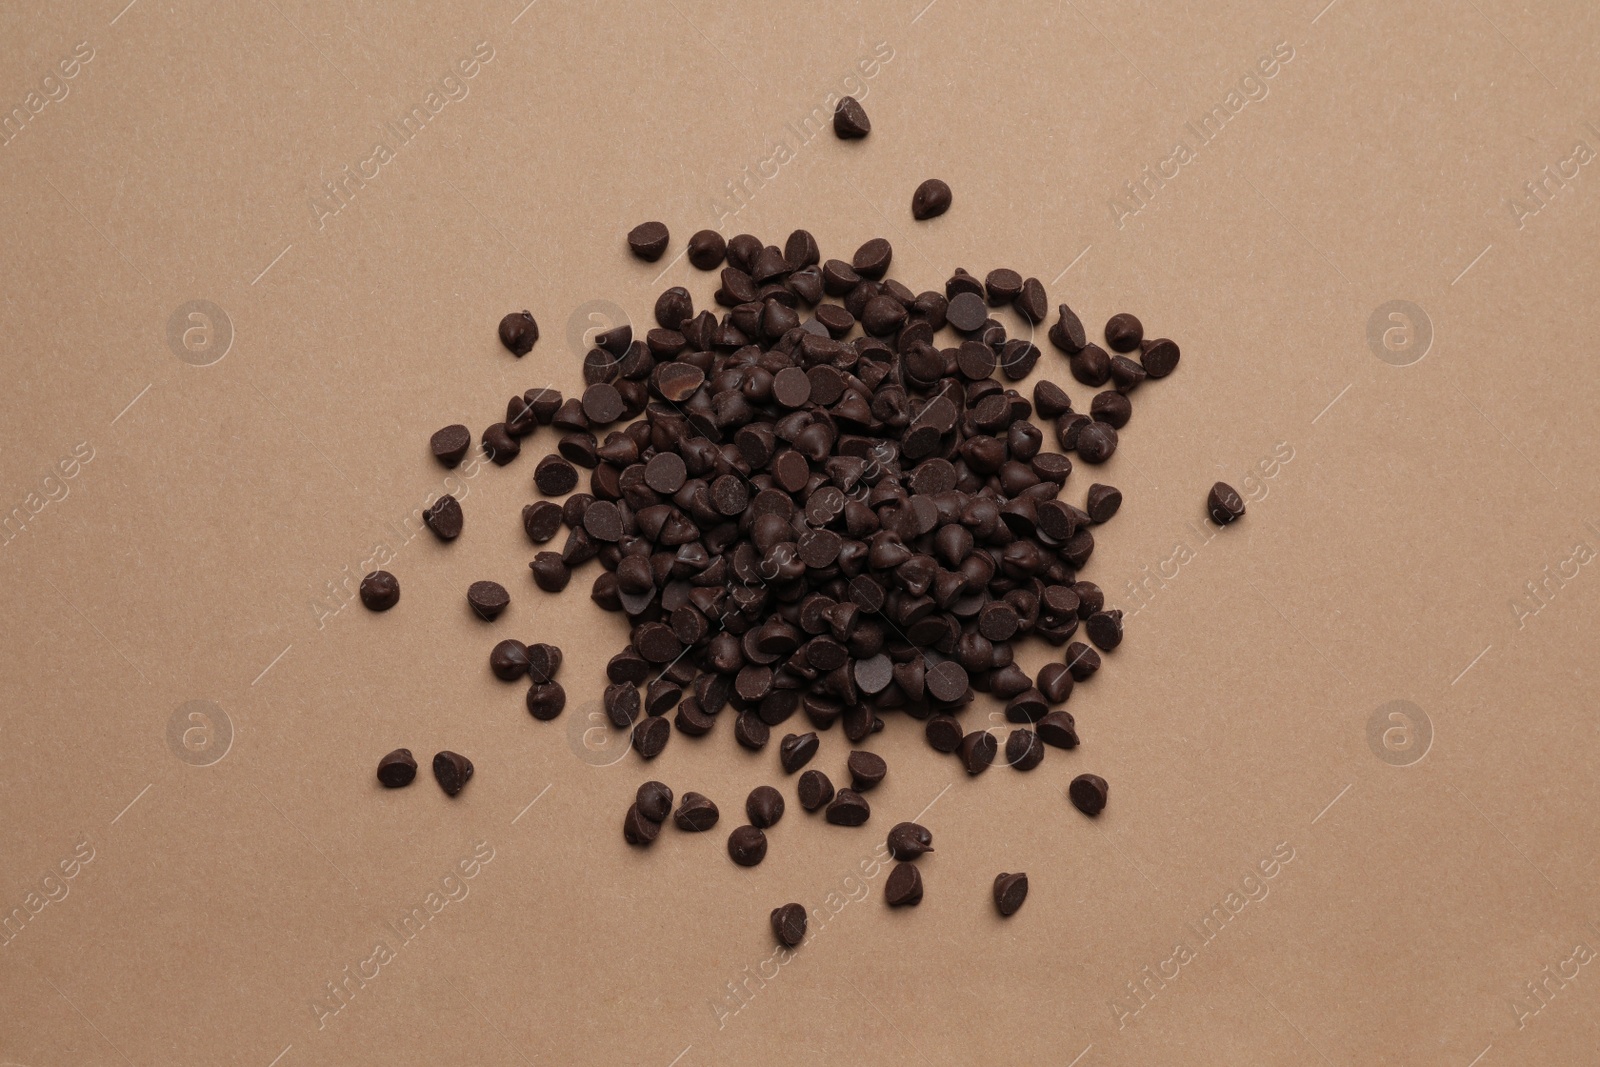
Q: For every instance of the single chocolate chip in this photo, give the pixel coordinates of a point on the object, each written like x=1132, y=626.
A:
x=789, y=924
x=1159, y=357
x=903, y=888
x=554, y=476
x=944, y=733
x=747, y=846
x=1027, y=706
x=380, y=591
x=814, y=790
x=867, y=769
x=648, y=240
x=1010, y=890
x=1055, y=682
x=796, y=750
x=1058, y=729
x=602, y=404
x=450, y=444
x=1096, y=442
x=452, y=771
x=397, y=769
x=499, y=445
x=1105, y=629
x=654, y=801
x=1068, y=333
x=546, y=700
x=966, y=312
x=931, y=199
x=764, y=806
x=1091, y=366
x=1081, y=660
x=848, y=808
x=872, y=259
x=509, y=660
x=1224, y=504
x=1124, y=332
x=541, y=521
x=1024, y=750
x=621, y=702
x=908, y=840
x=550, y=572
x=1126, y=374
x=603, y=521
x=750, y=731
x=1088, y=793
x=443, y=517
x=1032, y=303
x=695, y=812
x=978, y=751
x=1111, y=408
x=1002, y=286
x=849, y=120
x=1103, y=502
x=650, y=737
x=706, y=249
x=637, y=829
x=488, y=599
x=947, y=682
x=518, y=332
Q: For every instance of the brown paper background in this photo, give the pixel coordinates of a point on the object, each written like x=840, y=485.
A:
x=1426, y=890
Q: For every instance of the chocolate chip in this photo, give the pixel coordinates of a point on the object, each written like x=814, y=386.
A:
x=908, y=840
x=747, y=846
x=488, y=599
x=499, y=445
x=966, y=312
x=546, y=700
x=931, y=199
x=1088, y=793
x=550, y=573
x=789, y=924
x=1068, y=333
x=602, y=404
x=706, y=249
x=1024, y=750
x=648, y=240
x=1002, y=286
x=695, y=812
x=443, y=517
x=397, y=769
x=1103, y=502
x=1124, y=332
x=814, y=790
x=637, y=829
x=1096, y=442
x=867, y=769
x=1224, y=504
x=509, y=660
x=1159, y=357
x=750, y=731
x=1082, y=660
x=1111, y=408
x=1105, y=629
x=1055, y=682
x=541, y=521
x=764, y=806
x=450, y=444
x=452, y=771
x=903, y=888
x=849, y=120
x=848, y=808
x=1058, y=729
x=1126, y=375
x=1032, y=303
x=872, y=259
x=1010, y=890
x=621, y=702
x=947, y=682
x=518, y=332
x=654, y=801
x=944, y=733
x=650, y=737
x=554, y=476
x=978, y=751
x=796, y=750
x=1027, y=706
x=1091, y=366
x=380, y=591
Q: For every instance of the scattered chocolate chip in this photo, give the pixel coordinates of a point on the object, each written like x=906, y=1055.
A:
x=1010, y=890
x=1055, y=682
x=903, y=888
x=654, y=801
x=1105, y=629
x=443, y=517
x=380, y=591
x=1103, y=502
x=1096, y=442
x=1088, y=793
x=541, y=520
x=450, y=444
x=695, y=812
x=814, y=790
x=867, y=769
x=944, y=733
x=796, y=750
x=1124, y=332
x=546, y=700
x=849, y=120
x=1111, y=408
x=908, y=840
x=397, y=769
x=650, y=737
x=1224, y=504
x=509, y=660
x=488, y=599
x=648, y=240
x=966, y=312
x=550, y=572
x=1081, y=660
x=747, y=845
x=637, y=829
x=789, y=924
x=978, y=751
x=1024, y=750
x=848, y=808
x=518, y=332
x=1159, y=357
x=764, y=806
x=750, y=731
x=931, y=199
x=1068, y=334
x=452, y=771
x=706, y=249
x=554, y=476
